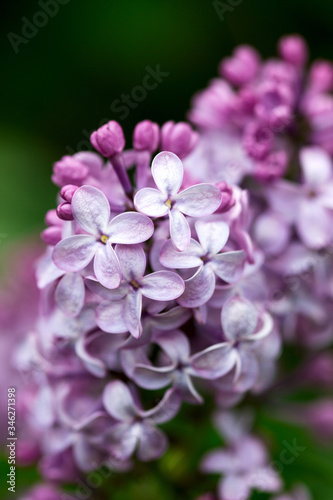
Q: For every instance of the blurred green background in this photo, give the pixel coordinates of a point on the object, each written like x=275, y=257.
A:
x=61, y=84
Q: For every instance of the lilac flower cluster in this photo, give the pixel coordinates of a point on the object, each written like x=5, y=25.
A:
x=185, y=271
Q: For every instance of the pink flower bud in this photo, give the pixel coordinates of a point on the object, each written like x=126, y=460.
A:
x=52, y=219
x=52, y=235
x=179, y=138
x=293, y=49
x=109, y=139
x=64, y=211
x=146, y=136
x=321, y=76
x=242, y=67
x=69, y=170
x=228, y=200
x=67, y=192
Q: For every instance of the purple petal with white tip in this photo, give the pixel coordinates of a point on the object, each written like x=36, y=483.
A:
x=167, y=170
x=162, y=285
x=130, y=228
x=74, y=253
x=199, y=200
x=91, y=209
x=69, y=294
x=122, y=439
x=151, y=201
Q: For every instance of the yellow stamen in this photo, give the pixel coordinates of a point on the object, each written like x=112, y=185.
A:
x=135, y=284
x=168, y=204
x=104, y=238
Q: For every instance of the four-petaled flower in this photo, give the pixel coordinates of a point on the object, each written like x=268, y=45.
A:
x=91, y=210
x=206, y=256
x=196, y=201
x=121, y=312
x=136, y=426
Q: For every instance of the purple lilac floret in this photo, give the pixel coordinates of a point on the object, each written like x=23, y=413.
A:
x=189, y=277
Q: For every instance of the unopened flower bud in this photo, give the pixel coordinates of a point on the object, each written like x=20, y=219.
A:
x=293, y=49
x=69, y=170
x=242, y=67
x=109, y=139
x=52, y=235
x=52, y=219
x=179, y=138
x=228, y=200
x=321, y=76
x=64, y=211
x=67, y=192
x=146, y=136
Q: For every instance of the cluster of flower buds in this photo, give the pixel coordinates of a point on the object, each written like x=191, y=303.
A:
x=185, y=278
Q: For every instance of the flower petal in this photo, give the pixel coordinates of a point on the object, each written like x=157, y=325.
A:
x=314, y=224
x=91, y=209
x=130, y=228
x=173, y=318
x=316, y=166
x=229, y=265
x=46, y=270
x=69, y=294
x=167, y=170
x=234, y=487
x=151, y=201
x=175, y=344
x=239, y=319
x=213, y=362
x=213, y=235
x=162, y=285
x=151, y=377
x=166, y=409
x=74, y=253
x=152, y=444
x=199, y=288
x=121, y=441
x=132, y=313
x=110, y=317
x=199, y=200
x=190, y=257
x=132, y=260
x=118, y=401
x=179, y=230
x=106, y=266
